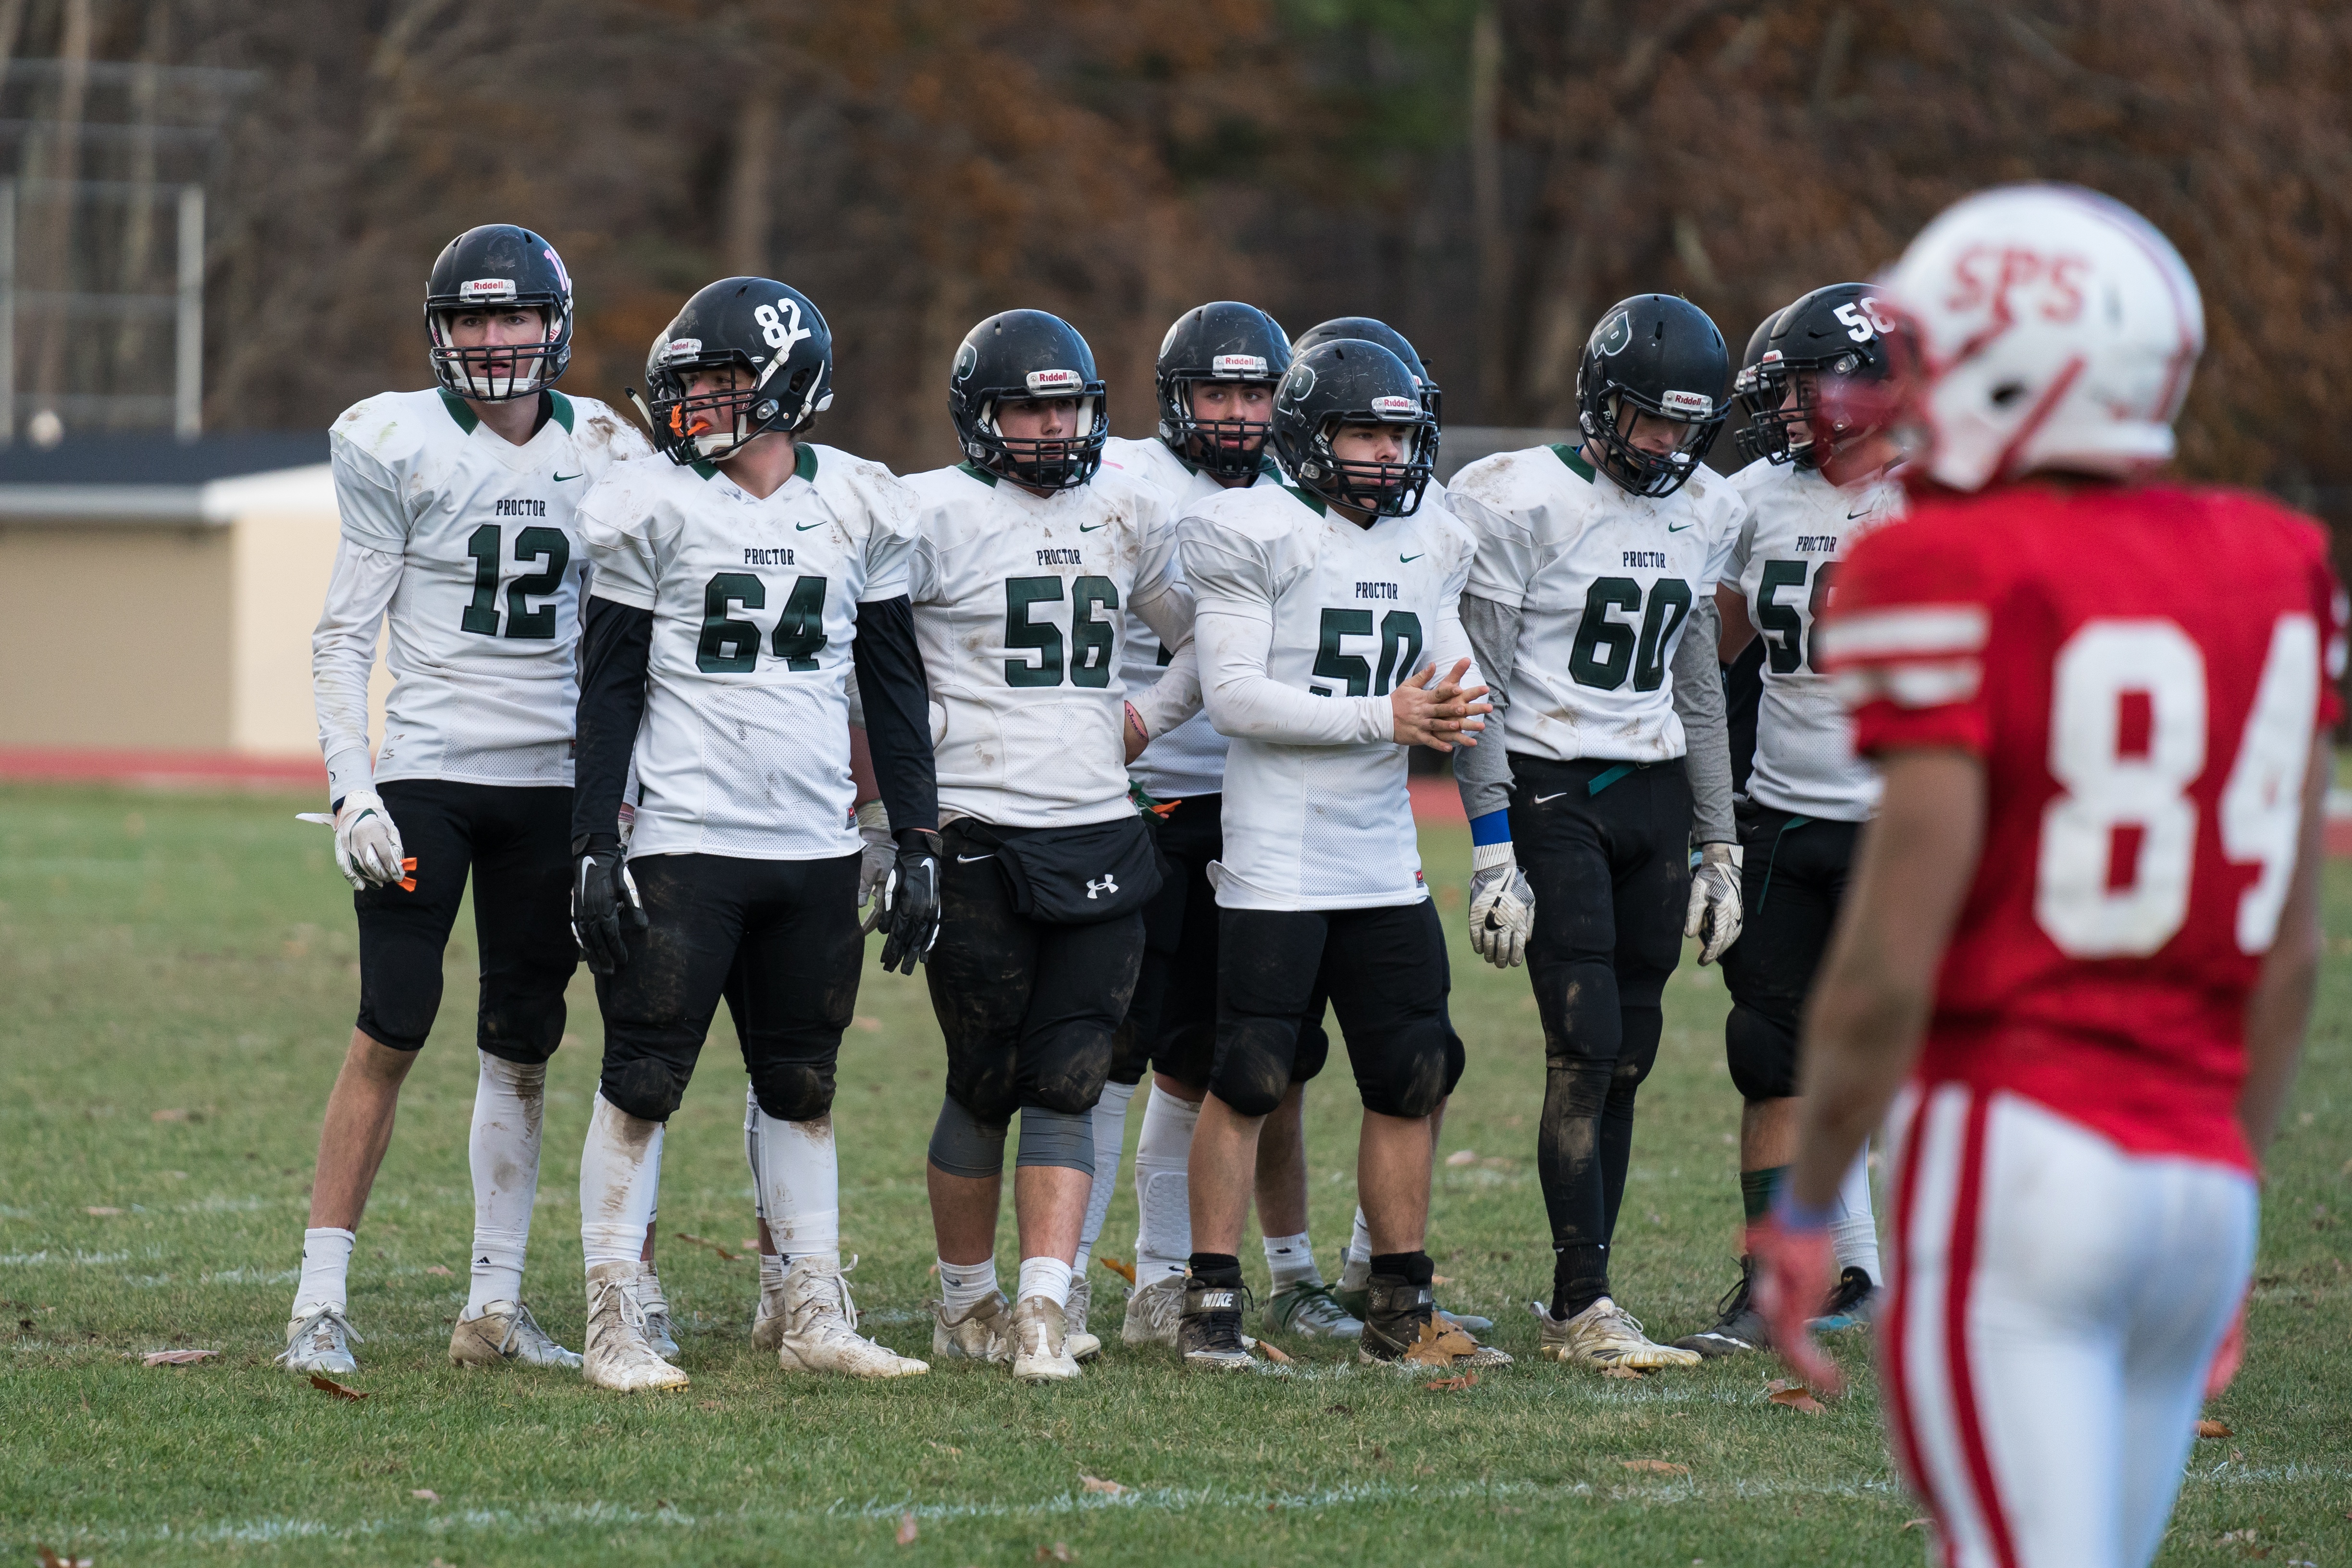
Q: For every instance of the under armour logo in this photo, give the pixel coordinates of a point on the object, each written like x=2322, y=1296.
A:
x=1107, y=885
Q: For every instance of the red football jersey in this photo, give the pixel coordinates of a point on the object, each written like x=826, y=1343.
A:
x=2143, y=672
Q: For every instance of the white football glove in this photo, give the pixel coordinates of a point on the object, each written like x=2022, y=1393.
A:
x=367, y=844
x=1714, y=915
x=1502, y=905
x=881, y=860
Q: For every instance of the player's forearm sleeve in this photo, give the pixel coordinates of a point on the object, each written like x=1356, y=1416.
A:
x=1706, y=731
x=1246, y=704
x=343, y=656
x=615, y=650
x=897, y=701
x=1175, y=697
x=1483, y=772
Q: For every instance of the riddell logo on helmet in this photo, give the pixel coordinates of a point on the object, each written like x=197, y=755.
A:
x=487, y=288
x=1396, y=407
x=1696, y=405
x=683, y=348
x=1055, y=382
x=1238, y=365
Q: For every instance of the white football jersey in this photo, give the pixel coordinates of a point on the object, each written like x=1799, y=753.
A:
x=1190, y=758
x=485, y=620
x=1783, y=563
x=744, y=747
x=1021, y=605
x=1349, y=612
x=1604, y=581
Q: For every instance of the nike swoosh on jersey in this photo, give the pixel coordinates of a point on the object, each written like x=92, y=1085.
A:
x=803, y=527
x=559, y=479
x=1409, y=560
x=966, y=860
x=1856, y=516
x=1085, y=528
x=1541, y=798
x=1678, y=528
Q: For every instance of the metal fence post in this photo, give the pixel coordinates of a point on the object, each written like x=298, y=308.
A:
x=188, y=387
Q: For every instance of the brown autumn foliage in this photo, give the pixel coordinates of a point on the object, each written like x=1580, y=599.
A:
x=1488, y=174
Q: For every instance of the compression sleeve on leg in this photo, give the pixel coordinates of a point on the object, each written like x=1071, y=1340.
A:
x=963, y=1145
x=1057, y=1138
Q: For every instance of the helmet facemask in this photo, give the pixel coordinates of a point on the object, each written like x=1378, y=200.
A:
x=1061, y=463
x=1382, y=489
x=1222, y=448
x=1609, y=444
x=712, y=426
x=498, y=373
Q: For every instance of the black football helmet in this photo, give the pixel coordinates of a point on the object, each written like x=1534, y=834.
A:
x=1760, y=435
x=769, y=329
x=1838, y=330
x=1013, y=356
x=1228, y=342
x=1348, y=381
x=493, y=267
x=1658, y=355
x=1366, y=330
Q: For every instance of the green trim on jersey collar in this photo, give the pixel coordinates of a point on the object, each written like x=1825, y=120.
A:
x=705, y=466
x=977, y=472
x=1575, y=461
x=1312, y=503
x=459, y=411
x=561, y=406
x=805, y=467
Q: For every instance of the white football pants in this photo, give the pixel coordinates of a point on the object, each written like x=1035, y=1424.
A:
x=2056, y=1302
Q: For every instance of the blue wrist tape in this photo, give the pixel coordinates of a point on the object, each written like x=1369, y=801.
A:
x=1494, y=828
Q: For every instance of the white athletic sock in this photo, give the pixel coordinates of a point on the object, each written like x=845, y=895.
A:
x=1291, y=1261
x=963, y=1285
x=1853, y=1233
x=1046, y=1277
x=751, y=1149
x=1356, y=1263
x=1163, y=1201
x=799, y=1186
x=326, y=1261
x=620, y=1171
x=503, y=1149
x=1111, y=1141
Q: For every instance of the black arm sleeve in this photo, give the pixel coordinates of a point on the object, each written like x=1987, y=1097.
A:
x=616, y=647
x=897, y=711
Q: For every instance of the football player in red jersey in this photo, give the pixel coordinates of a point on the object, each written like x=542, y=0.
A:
x=2079, y=950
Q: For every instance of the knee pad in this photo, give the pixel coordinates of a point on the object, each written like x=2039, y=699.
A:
x=644, y=1088
x=1414, y=1074
x=793, y=1091
x=1313, y=1051
x=964, y=1146
x=1762, y=1055
x=1051, y=1138
x=1070, y=1077
x=1456, y=1059
x=1251, y=1073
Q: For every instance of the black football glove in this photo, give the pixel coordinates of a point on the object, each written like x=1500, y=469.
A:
x=605, y=902
x=910, y=901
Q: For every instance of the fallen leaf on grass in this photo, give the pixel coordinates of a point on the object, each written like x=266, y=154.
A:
x=907, y=1531
x=100, y=1211
x=424, y=1494
x=698, y=1241
x=1463, y=1157
x=750, y=1244
x=945, y=1448
x=437, y=1268
x=176, y=1358
x=2211, y=1429
x=1452, y=1384
x=1124, y=1270
x=1274, y=1353
x=865, y=1022
x=1441, y=1279
x=1795, y=1395
x=1096, y=1483
x=1920, y=1523
x=48, y=1558
x=1655, y=1466
x=1057, y=1552
x=1632, y=1374
x=174, y=1114
x=1439, y=1344
x=2246, y=1535
x=328, y=1386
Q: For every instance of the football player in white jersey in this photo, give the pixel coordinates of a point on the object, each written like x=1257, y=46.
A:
x=1808, y=794
x=456, y=529
x=1032, y=554
x=1328, y=612
x=1591, y=605
x=739, y=574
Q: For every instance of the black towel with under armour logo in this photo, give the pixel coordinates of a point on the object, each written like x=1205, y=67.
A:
x=1066, y=877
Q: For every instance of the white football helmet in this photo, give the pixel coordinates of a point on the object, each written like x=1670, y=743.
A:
x=2055, y=329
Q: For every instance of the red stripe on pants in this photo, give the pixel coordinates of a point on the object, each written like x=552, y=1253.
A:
x=1959, y=1270
x=1892, y=1325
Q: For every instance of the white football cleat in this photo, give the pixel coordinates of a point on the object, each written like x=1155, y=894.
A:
x=506, y=1334
x=320, y=1341
x=661, y=1332
x=1153, y=1311
x=819, y=1328
x=1041, y=1351
x=617, y=1354
x=768, y=1319
x=1082, y=1345
x=984, y=1332
x=1606, y=1334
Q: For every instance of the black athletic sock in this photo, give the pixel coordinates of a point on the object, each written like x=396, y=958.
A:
x=1579, y=1277
x=1216, y=1268
x=1413, y=1268
x=1758, y=1188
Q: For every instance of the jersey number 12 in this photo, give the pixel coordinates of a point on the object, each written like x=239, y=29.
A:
x=487, y=546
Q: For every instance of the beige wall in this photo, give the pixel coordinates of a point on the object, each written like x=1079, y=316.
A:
x=173, y=637
x=114, y=636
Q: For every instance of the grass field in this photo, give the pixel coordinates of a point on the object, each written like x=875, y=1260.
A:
x=177, y=981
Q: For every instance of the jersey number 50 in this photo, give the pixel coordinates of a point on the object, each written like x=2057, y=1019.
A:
x=2119, y=842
